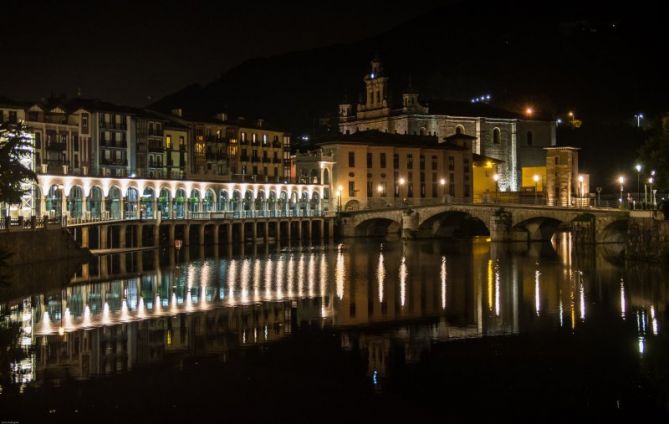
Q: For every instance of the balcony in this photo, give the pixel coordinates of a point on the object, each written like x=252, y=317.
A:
x=57, y=146
x=114, y=162
x=156, y=147
x=113, y=125
x=216, y=156
x=114, y=145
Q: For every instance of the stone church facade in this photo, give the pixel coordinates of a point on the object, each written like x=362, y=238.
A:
x=509, y=137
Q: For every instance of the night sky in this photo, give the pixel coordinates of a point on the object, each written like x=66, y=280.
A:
x=125, y=51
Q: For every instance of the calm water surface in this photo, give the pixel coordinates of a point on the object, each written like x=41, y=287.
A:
x=365, y=330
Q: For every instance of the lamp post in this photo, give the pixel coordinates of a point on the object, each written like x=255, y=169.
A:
x=442, y=183
x=401, y=182
x=639, y=117
x=379, y=189
x=495, y=177
x=621, y=180
x=536, y=187
x=638, y=177
x=580, y=190
x=650, y=181
x=339, y=190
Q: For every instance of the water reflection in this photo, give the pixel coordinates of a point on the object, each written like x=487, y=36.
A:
x=129, y=310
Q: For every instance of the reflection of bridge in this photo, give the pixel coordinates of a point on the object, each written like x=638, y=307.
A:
x=504, y=222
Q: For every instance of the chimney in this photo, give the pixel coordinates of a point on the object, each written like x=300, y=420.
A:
x=222, y=116
x=259, y=122
x=178, y=112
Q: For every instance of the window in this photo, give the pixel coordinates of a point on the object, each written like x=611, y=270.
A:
x=434, y=184
x=459, y=129
x=434, y=163
x=38, y=140
x=84, y=122
x=181, y=142
x=396, y=161
x=422, y=162
x=351, y=159
x=370, y=187
x=409, y=161
x=12, y=116
x=168, y=142
x=451, y=163
x=529, y=138
x=451, y=184
x=382, y=160
x=496, y=136
x=351, y=189
x=369, y=160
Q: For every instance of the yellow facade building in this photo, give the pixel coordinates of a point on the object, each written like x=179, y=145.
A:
x=372, y=169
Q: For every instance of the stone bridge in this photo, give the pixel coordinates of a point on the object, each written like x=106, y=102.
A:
x=503, y=222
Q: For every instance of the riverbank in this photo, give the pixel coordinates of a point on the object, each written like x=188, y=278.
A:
x=42, y=245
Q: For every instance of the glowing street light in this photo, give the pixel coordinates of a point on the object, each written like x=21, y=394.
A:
x=529, y=111
x=379, y=188
x=638, y=168
x=442, y=183
x=401, y=182
x=621, y=180
x=580, y=186
x=495, y=177
x=536, y=187
x=638, y=117
x=339, y=191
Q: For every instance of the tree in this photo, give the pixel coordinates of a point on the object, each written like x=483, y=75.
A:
x=15, y=147
x=654, y=153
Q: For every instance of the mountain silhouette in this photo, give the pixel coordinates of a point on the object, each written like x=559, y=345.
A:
x=605, y=63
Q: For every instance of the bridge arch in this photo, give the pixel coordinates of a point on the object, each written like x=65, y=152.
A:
x=377, y=227
x=453, y=223
x=614, y=232
x=539, y=228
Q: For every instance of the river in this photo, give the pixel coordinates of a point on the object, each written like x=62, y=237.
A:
x=366, y=329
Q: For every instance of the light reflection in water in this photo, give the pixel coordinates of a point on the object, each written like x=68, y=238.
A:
x=273, y=278
x=403, y=280
x=381, y=276
x=339, y=273
x=442, y=276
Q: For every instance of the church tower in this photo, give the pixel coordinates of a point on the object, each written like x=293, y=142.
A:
x=376, y=101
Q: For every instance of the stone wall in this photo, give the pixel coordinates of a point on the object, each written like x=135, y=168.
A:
x=647, y=239
x=28, y=247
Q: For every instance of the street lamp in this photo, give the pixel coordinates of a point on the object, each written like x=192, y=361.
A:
x=638, y=117
x=339, y=191
x=401, y=182
x=580, y=189
x=442, y=182
x=379, y=188
x=496, y=178
x=650, y=181
x=638, y=176
x=536, y=187
x=621, y=180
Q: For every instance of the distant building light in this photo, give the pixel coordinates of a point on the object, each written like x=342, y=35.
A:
x=372, y=75
x=559, y=121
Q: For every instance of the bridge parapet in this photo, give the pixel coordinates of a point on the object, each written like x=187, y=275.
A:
x=504, y=222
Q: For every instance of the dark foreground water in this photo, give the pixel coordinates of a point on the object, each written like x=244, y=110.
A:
x=364, y=331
